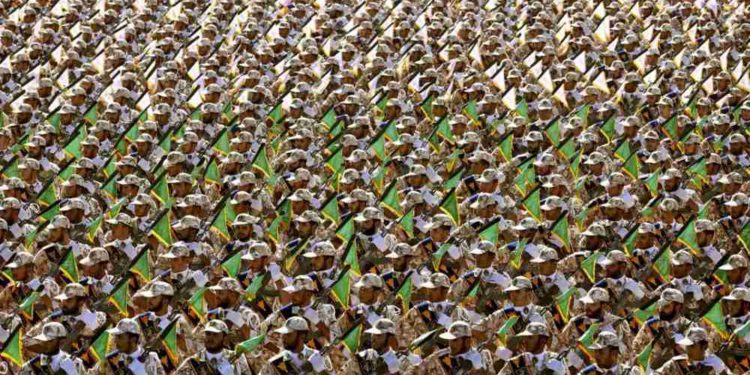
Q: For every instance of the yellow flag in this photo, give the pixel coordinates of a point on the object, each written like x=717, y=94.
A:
x=580, y=62
x=600, y=82
x=602, y=33
x=509, y=99
x=546, y=82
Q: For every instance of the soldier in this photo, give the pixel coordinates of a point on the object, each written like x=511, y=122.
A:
x=215, y=358
x=297, y=357
x=129, y=356
x=52, y=358
x=227, y=295
x=664, y=329
x=607, y=351
x=461, y=356
x=533, y=355
x=382, y=357
x=696, y=357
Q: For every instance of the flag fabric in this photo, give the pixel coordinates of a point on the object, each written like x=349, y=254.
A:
x=212, y=173
x=516, y=256
x=26, y=308
x=506, y=147
x=341, y=289
x=253, y=290
x=248, y=346
x=336, y=160
x=345, y=231
x=688, y=237
x=141, y=267
x=588, y=266
x=352, y=338
x=526, y=177
x=260, y=162
x=169, y=341
x=232, y=264
x=13, y=348
x=564, y=303
x=221, y=144
x=223, y=220
x=100, y=346
x=406, y=222
x=160, y=191
x=532, y=205
x=507, y=329
x=197, y=304
x=715, y=318
x=561, y=230
x=390, y=200
x=449, y=206
x=644, y=357
x=437, y=257
x=490, y=232
x=119, y=297
x=163, y=230
x=69, y=267
x=350, y=257
x=330, y=210
x=404, y=293
x=608, y=128
x=662, y=264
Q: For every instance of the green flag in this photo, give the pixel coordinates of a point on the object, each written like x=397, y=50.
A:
x=341, y=290
x=516, y=256
x=632, y=166
x=13, y=348
x=471, y=111
x=490, y=231
x=644, y=314
x=350, y=257
x=532, y=205
x=688, y=237
x=69, y=267
x=407, y=222
x=336, y=160
x=507, y=329
x=669, y=127
x=92, y=115
x=26, y=308
x=197, y=304
x=330, y=209
x=526, y=177
x=661, y=264
x=608, y=128
x=652, y=182
x=390, y=201
x=564, y=303
x=254, y=289
x=73, y=147
x=232, y=264
x=622, y=151
x=329, y=118
x=221, y=145
x=523, y=109
x=552, y=131
x=222, y=221
x=119, y=297
x=404, y=293
x=454, y=179
x=277, y=113
x=141, y=267
x=583, y=114
x=169, y=341
x=160, y=191
x=426, y=107
x=715, y=318
x=588, y=337
x=588, y=266
x=212, y=174
x=163, y=230
x=449, y=206
x=378, y=146
x=506, y=147
x=248, y=346
x=444, y=130
x=260, y=162
x=744, y=236
x=561, y=231
x=698, y=173
x=437, y=257
x=100, y=346
x=567, y=148
x=345, y=231
x=352, y=338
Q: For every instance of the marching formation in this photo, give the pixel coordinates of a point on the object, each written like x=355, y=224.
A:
x=374, y=187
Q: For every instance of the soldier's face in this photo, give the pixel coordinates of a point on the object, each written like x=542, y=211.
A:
x=459, y=345
x=126, y=342
x=697, y=351
x=607, y=357
x=214, y=341
x=290, y=340
x=732, y=308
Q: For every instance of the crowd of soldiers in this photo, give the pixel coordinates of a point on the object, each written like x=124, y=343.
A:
x=374, y=187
